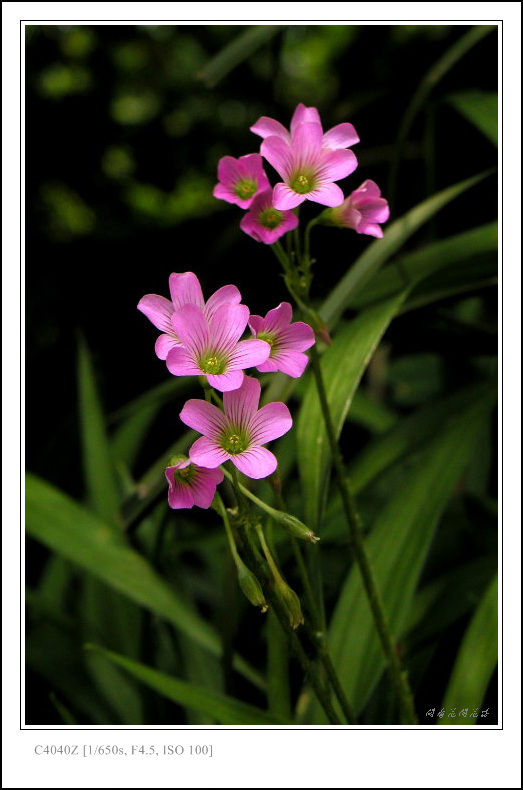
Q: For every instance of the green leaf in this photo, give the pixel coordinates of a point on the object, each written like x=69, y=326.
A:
x=98, y=465
x=129, y=437
x=224, y=709
x=410, y=434
x=343, y=365
x=480, y=108
x=71, y=530
x=236, y=52
x=445, y=255
x=476, y=660
x=375, y=255
x=397, y=548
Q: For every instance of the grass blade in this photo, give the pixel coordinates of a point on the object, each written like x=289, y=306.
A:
x=224, y=709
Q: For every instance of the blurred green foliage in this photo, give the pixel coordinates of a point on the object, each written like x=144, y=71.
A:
x=125, y=127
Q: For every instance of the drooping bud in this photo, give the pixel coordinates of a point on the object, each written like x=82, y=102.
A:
x=290, y=601
x=250, y=585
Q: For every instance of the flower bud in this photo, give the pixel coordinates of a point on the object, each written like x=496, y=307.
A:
x=295, y=527
x=250, y=585
x=290, y=601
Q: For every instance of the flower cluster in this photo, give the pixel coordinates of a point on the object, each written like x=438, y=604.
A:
x=309, y=161
x=203, y=339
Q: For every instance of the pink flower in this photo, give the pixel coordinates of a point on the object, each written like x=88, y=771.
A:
x=185, y=289
x=264, y=222
x=287, y=341
x=363, y=210
x=191, y=485
x=211, y=348
x=238, y=434
x=240, y=180
x=341, y=136
x=308, y=170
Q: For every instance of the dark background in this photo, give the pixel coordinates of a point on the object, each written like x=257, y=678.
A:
x=123, y=137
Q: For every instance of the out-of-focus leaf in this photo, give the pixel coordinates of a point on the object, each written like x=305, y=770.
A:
x=381, y=250
x=371, y=414
x=397, y=547
x=129, y=437
x=480, y=108
x=236, y=52
x=224, y=709
x=441, y=602
x=69, y=529
x=476, y=660
x=410, y=434
x=156, y=396
x=278, y=691
x=343, y=365
x=434, y=258
x=98, y=465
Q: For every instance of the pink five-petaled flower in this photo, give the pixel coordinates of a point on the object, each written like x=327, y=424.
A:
x=238, y=433
x=264, y=222
x=341, y=136
x=308, y=170
x=185, y=289
x=213, y=348
x=240, y=180
x=287, y=341
x=190, y=484
x=363, y=210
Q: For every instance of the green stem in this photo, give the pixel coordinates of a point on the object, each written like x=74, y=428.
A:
x=353, y=519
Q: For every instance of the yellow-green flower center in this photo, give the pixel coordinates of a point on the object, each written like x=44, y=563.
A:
x=269, y=338
x=234, y=441
x=302, y=183
x=245, y=189
x=185, y=475
x=212, y=365
x=270, y=218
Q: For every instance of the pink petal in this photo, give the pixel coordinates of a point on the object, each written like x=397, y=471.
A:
x=185, y=289
x=180, y=496
x=250, y=225
x=256, y=323
x=164, y=344
x=242, y=404
x=203, y=417
x=248, y=354
x=205, y=452
x=228, y=294
x=303, y=114
x=370, y=229
x=191, y=327
x=369, y=188
x=181, y=363
x=158, y=310
x=291, y=362
x=285, y=198
x=279, y=154
x=228, y=170
x=225, y=382
x=271, y=422
x=336, y=165
x=269, y=366
x=224, y=192
x=306, y=143
x=278, y=318
x=227, y=325
x=328, y=195
x=257, y=462
x=204, y=486
x=265, y=127
x=298, y=336
x=341, y=136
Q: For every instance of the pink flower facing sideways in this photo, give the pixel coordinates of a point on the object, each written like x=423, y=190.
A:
x=363, y=211
x=191, y=485
x=240, y=180
x=341, y=136
x=185, y=289
x=213, y=348
x=264, y=222
x=287, y=341
x=237, y=433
